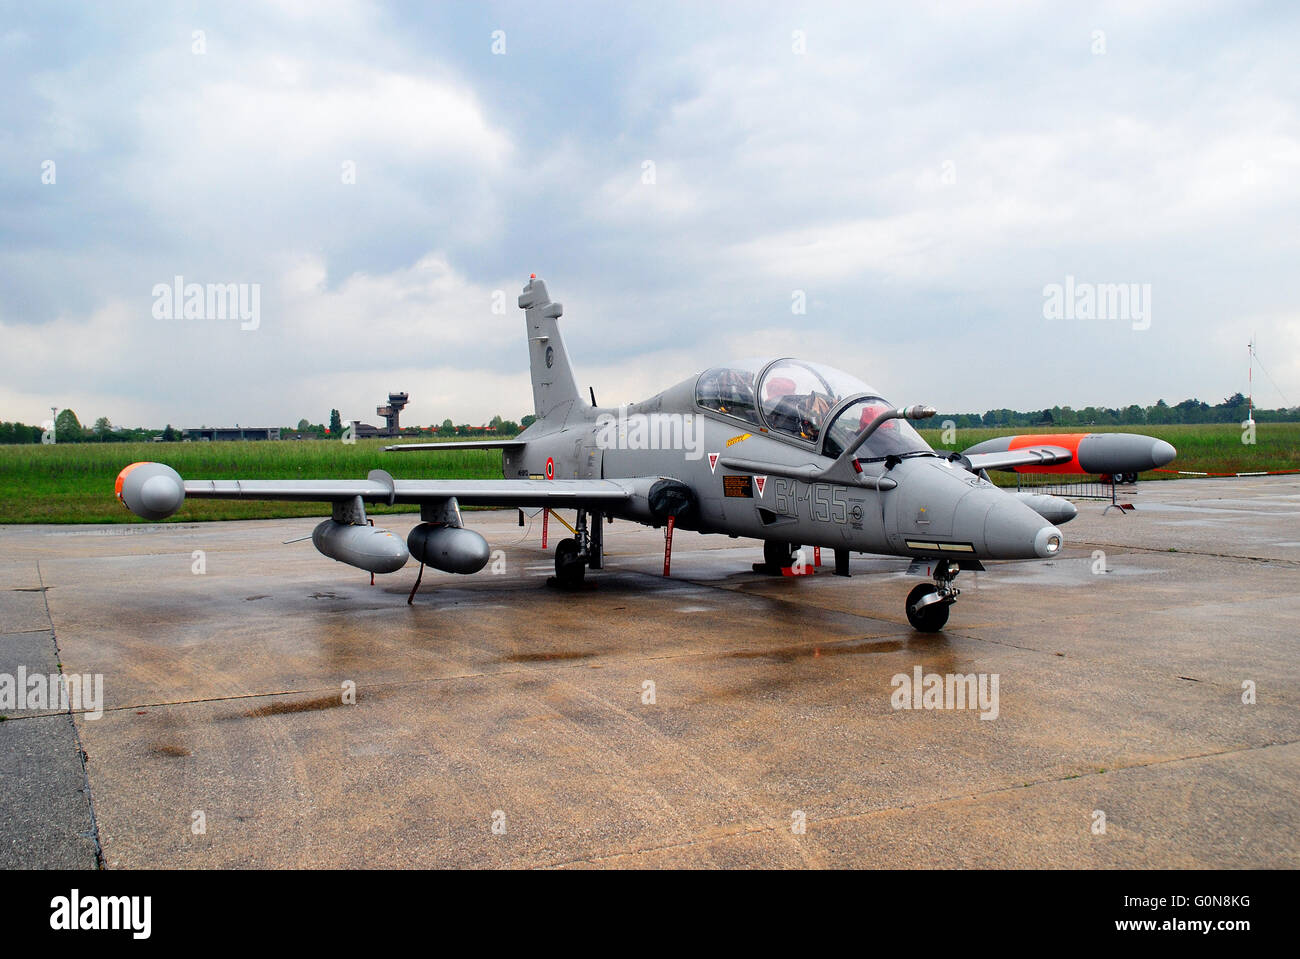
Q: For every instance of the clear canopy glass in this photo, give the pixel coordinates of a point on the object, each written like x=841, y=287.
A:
x=891, y=438
x=795, y=397
x=730, y=389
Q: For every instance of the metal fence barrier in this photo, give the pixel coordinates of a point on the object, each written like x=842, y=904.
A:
x=1086, y=487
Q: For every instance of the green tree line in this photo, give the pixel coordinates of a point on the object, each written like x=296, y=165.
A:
x=1232, y=410
x=68, y=429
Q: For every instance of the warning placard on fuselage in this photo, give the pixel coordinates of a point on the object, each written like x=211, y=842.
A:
x=739, y=486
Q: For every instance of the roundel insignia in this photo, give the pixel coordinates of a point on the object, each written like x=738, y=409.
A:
x=550, y=468
x=550, y=356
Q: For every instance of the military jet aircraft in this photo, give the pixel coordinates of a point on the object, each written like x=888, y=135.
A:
x=794, y=453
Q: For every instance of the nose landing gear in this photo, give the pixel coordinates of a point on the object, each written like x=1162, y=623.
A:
x=927, y=604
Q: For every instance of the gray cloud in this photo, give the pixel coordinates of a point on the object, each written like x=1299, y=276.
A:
x=921, y=174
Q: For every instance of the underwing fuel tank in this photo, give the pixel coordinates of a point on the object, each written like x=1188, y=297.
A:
x=365, y=547
x=150, y=490
x=1055, y=509
x=1110, y=453
x=451, y=549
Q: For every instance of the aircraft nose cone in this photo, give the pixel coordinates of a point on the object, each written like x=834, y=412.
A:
x=1014, y=531
x=1162, y=453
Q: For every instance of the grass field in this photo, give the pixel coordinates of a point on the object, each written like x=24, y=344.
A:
x=73, y=483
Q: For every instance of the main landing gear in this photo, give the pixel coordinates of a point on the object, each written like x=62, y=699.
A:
x=570, y=565
x=927, y=604
x=575, y=554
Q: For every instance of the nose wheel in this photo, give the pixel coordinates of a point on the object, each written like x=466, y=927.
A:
x=928, y=604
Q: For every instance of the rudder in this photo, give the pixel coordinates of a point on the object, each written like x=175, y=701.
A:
x=554, y=388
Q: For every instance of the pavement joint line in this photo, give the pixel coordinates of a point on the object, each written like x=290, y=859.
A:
x=963, y=633
x=1192, y=552
x=1054, y=780
x=76, y=733
x=1079, y=659
x=756, y=829
x=725, y=836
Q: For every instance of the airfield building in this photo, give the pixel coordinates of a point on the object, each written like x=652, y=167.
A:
x=225, y=433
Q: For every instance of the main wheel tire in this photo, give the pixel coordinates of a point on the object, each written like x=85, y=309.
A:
x=929, y=618
x=570, y=568
x=778, y=555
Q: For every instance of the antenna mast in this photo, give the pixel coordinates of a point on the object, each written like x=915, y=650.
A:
x=1250, y=383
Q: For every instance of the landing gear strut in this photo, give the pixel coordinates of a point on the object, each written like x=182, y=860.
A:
x=927, y=604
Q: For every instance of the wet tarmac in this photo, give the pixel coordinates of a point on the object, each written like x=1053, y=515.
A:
x=264, y=706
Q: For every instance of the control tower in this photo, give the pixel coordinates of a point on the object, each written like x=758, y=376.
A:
x=393, y=411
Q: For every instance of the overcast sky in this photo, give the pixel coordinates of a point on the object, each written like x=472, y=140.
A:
x=920, y=173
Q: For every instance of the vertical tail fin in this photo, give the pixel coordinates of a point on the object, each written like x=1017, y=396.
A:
x=555, y=392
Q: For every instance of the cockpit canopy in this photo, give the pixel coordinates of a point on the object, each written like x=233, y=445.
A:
x=810, y=402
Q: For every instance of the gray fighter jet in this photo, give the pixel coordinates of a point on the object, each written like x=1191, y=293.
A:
x=794, y=453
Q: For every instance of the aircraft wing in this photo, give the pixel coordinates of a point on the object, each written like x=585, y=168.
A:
x=1027, y=456
x=459, y=445
x=155, y=491
x=502, y=492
